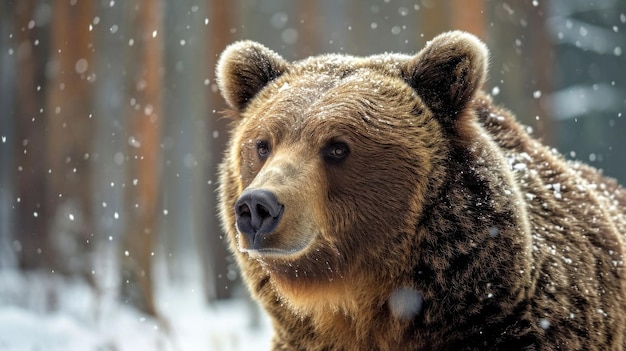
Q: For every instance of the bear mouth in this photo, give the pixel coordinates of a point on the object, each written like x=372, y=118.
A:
x=272, y=246
x=269, y=252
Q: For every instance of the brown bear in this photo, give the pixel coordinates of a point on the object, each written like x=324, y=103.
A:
x=385, y=203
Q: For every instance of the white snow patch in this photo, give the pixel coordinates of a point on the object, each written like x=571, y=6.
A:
x=519, y=166
x=48, y=313
x=405, y=303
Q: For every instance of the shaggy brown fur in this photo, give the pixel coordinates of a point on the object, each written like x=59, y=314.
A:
x=416, y=215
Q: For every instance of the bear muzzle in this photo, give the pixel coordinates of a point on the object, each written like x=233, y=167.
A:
x=258, y=213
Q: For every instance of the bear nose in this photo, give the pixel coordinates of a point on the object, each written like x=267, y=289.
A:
x=257, y=212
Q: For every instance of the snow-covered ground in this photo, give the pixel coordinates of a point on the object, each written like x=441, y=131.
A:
x=44, y=312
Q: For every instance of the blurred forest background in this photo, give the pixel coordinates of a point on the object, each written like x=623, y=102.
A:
x=110, y=127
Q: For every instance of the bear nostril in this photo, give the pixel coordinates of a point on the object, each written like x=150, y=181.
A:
x=257, y=212
x=262, y=211
x=243, y=210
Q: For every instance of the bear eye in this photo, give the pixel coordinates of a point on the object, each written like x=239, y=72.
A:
x=262, y=149
x=336, y=151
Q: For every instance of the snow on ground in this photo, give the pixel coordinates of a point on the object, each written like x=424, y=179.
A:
x=40, y=312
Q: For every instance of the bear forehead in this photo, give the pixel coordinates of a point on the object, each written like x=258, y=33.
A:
x=389, y=63
x=323, y=106
x=334, y=88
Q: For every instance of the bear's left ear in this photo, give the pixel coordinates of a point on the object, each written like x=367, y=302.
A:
x=447, y=73
x=243, y=69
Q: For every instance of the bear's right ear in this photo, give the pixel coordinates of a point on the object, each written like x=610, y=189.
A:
x=244, y=68
x=447, y=73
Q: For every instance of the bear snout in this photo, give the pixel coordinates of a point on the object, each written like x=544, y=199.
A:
x=257, y=213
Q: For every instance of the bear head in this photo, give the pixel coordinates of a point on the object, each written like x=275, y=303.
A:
x=333, y=160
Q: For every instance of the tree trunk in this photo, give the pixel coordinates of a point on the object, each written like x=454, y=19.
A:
x=69, y=132
x=29, y=161
x=218, y=281
x=143, y=181
x=469, y=15
x=110, y=107
x=540, y=68
x=183, y=226
x=434, y=18
x=7, y=135
x=309, y=43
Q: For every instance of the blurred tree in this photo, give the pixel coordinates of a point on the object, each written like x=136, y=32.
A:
x=184, y=238
x=433, y=18
x=7, y=135
x=218, y=281
x=144, y=172
x=436, y=17
x=468, y=15
x=69, y=134
x=110, y=109
x=309, y=42
x=29, y=167
x=522, y=62
x=540, y=69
